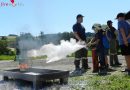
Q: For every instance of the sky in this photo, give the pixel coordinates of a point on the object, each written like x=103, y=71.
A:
x=54, y=16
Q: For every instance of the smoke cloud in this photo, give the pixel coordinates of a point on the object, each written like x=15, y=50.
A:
x=56, y=52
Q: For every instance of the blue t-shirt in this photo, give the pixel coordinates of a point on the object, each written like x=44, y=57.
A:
x=123, y=24
x=80, y=31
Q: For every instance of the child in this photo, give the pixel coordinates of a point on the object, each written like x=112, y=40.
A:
x=100, y=50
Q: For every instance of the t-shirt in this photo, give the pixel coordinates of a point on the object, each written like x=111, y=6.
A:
x=80, y=31
x=111, y=33
x=123, y=24
x=99, y=36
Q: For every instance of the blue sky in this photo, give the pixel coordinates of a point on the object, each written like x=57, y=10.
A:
x=54, y=16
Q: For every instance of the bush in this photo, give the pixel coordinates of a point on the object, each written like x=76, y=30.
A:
x=11, y=53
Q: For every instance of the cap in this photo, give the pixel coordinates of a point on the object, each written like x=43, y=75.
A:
x=109, y=22
x=127, y=16
x=120, y=15
x=79, y=15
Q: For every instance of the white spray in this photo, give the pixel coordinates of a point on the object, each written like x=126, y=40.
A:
x=56, y=52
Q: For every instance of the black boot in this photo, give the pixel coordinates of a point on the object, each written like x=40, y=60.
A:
x=111, y=60
x=128, y=72
x=102, y=70
x=84, y=65
x=116, y=60
x=77, y=71
x=77, y=64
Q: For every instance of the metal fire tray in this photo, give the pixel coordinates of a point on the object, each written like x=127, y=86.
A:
x=36, y=75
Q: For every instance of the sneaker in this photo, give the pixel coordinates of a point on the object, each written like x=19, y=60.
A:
x=124, y=70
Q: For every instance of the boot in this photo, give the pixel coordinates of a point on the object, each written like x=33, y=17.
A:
x=102, y=70
x=128, y=72
x=84, y=65
x=116, y=60
x=111, y=60
x=77, y=64
x=77, y=71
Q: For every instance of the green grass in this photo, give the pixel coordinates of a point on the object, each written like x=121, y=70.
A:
x=40, y=57
x=6, y=57
x=11, y=38
x=89, y=54
x=116, y=81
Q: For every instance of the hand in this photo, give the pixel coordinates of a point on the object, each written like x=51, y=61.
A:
x=126, y=43
x=128, y=37
x=89, y=44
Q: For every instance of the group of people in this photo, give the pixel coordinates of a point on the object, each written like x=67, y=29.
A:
x=105, y=42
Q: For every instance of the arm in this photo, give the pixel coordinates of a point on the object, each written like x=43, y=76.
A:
x=128, y=36
x=90, y=43
x=75, y=31
x=92, y=40
x=77, y=36
x=124, y=36
x=96, y=42
x=107, y=36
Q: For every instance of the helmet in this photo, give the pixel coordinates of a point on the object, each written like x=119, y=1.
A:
x=96, y=26
x=105, y=27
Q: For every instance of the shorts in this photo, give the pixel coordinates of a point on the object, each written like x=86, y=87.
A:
x=125, y=50
x=81, y=54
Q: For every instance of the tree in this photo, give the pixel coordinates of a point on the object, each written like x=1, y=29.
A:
x=66, y=35
x=4, y=38
x=3, y=46
x=41, y=36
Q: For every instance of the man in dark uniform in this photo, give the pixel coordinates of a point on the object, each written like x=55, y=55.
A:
x=80, y=55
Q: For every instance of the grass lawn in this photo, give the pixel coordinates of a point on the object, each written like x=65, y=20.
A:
x=6, y=57
x=89, y=54
x=116, y=81
x=40, y=57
